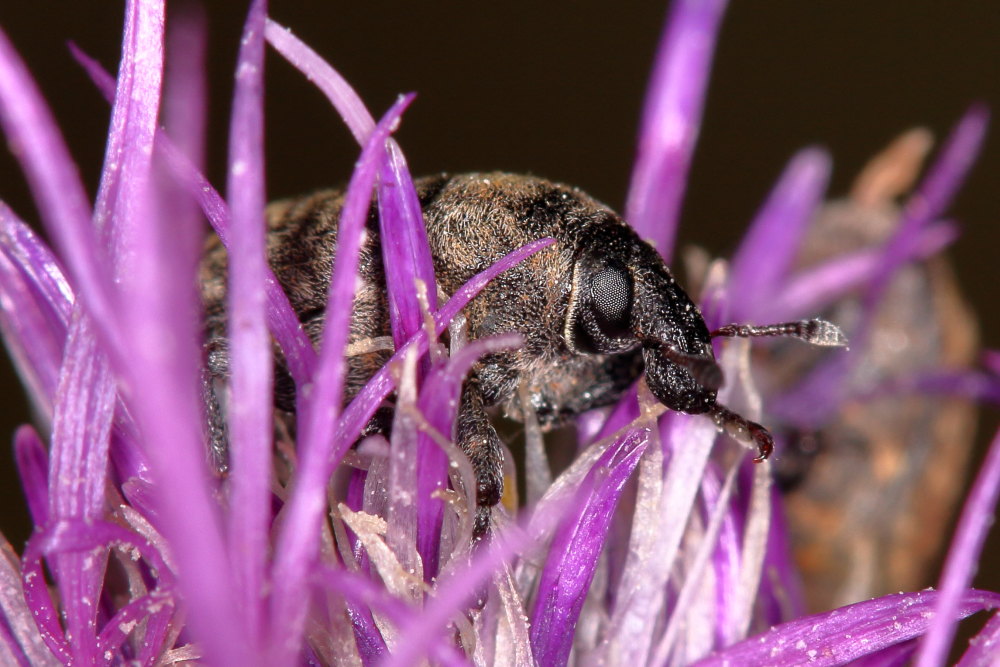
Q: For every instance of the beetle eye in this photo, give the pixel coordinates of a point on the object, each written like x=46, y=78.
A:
x=611, y=294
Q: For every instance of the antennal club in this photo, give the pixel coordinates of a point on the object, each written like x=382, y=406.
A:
x=814, y=332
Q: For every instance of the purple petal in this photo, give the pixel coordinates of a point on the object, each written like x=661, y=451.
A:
x=948, y=172
x=340, y=93
x=984, y=647
x=24, y=248
x=897, y=655
x=184, y=104
x=671, y=120
x=973, y=385
x=117, y=630
x=371, y=644
x=35, y=139
x=765, y=256
x=32, y=466
x=405, y=252
x=34, y=334
x=19, y=624
x=406, y=256
x=318, y=450
x=439, y=403
x=121, y=196
x=931, y=199
x=251, y=404
x=363, y=592
x=573, y=555
x=80, y=537
x=81, y=430
x=963, y=557
x=635, y=617
x=39, y=601
x=161, y=340
x=456, y=587
x=810, y=291
x=624, y=413
x=361, y=409
x=848, y=633
x=282, y=320
x=682, y=612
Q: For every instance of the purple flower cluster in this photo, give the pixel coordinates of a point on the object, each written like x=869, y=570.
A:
x=660, y=544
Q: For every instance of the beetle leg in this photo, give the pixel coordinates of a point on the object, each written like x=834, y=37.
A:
x=480, y=442
x=741, y=428
x=215, y=424
x=213, y=378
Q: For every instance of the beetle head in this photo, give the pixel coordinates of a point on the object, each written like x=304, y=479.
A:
x=623, y=296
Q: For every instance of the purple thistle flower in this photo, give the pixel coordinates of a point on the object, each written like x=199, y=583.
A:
x=660, y=544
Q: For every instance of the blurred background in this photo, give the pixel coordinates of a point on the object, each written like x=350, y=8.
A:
x=555, y=89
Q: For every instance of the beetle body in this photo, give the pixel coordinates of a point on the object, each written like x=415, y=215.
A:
x=595, y=309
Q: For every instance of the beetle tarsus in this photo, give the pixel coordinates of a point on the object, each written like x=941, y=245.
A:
x=744, y=430
x=480, y=442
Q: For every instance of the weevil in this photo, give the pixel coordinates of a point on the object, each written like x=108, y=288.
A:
x=596, y=309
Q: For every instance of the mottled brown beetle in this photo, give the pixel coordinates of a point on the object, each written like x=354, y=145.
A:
x=595, y=309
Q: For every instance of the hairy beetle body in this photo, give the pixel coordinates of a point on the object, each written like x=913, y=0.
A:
x=595, y=309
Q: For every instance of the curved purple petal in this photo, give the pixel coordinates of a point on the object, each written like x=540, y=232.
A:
x=361, y=409
x=340, y=93
x=81, y=431
x=572, y=559
x=960, y=566
x=671, y=120
x=931, y=199
x=24, y=248
x=406, y=256
x=765, y=256
x=839, y=636
x=984, y=647
x=250, y=415
x=117, y=630
x=18, y=621
x=33, y=334
x=33, y=469
x=122, y=198
x=60, y=196
x=319, y=412
x=811, y=290
x=282, y=320
x=439, y=404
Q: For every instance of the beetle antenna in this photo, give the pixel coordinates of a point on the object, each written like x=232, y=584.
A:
x=814, y=332
x=703, y=369
x=744, y=430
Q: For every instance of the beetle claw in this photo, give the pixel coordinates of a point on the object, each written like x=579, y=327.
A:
x=742, y=429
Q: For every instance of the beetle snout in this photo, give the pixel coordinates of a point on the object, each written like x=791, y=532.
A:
x=682, y=381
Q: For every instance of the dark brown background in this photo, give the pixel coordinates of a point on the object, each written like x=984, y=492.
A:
x=556, y=90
